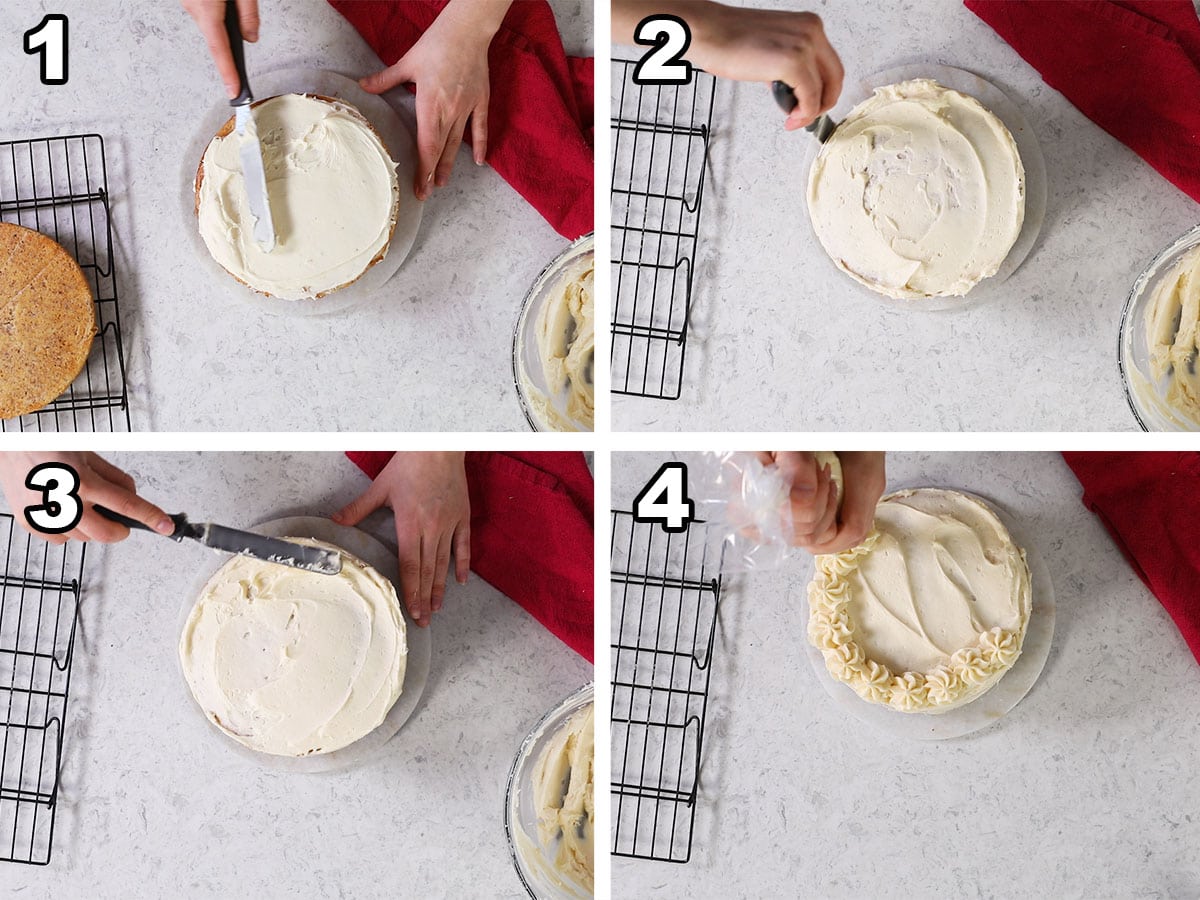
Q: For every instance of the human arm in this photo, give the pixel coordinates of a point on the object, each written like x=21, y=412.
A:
x=209, y=16
x=449, y=66
x=751, y=45
x=818, y=525
x=100, y=482
x=427, y=493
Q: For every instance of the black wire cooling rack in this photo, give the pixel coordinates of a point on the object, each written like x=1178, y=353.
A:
x=660, y=156
x=59, y=186
x=666, y=593
x=39, y=605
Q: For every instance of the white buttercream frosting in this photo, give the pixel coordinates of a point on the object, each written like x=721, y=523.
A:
x=919, y=192
x=930, y=611
x=1173, y=336
x=562, y=782
x=566, y=341
x=563, y=796
x=333, y=192
x=291, y=662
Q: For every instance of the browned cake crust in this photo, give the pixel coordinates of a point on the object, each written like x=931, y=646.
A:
x=227, y=129
x=47, y=320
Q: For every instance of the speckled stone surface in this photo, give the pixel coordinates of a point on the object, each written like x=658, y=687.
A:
x=784, y=341
x=1085, y=789
x=155, y=803
x=431, y=352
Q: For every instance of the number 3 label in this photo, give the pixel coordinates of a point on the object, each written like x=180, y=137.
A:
x=664, y=499
x=49, y=38
x=60, y=509
x=664, y=64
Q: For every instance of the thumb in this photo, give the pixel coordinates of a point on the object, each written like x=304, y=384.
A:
x=386, y=79
x=359, y=508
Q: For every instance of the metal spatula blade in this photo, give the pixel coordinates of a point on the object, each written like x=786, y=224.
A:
x=244, y=543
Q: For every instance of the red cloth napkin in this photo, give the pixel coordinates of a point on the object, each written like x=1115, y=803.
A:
x=1147, y=501
x=540, y=116
x=531, y=534
x=1132, y=67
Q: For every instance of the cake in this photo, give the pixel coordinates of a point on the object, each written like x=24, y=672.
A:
x=928, y=612
x=919, y=192
x=291, y=662
x=333, y=192
x=1173, y=334
x=47, y=320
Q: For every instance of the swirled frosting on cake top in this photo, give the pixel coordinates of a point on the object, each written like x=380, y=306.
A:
x=292, y=662
x=930, y=611
x=919, y=192
x=333, y=191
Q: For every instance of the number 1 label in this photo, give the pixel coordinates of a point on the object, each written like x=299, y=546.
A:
x=49, y=38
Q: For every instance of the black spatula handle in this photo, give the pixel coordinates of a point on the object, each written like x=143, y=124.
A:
x=234, y=29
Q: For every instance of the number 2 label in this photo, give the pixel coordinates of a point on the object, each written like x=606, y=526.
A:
x=49, y=38
x=665, y=64
x=60, y=509
x=664, y=499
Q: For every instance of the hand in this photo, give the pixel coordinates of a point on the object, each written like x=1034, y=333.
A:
x=99, y=482
x=752, y=45
x=817, y=525
x=427, y=493
x=209, y=16
x=449, y=66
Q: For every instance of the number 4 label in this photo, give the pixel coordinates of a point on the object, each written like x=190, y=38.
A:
x=664, y=500
x=49, y=38
x=665, y=64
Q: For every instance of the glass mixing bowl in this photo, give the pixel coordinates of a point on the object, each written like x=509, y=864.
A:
x=1147, y=395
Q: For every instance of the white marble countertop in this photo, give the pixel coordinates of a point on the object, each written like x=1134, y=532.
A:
x=155, y=803
x=784, y=341
x=1084, y=789
x=431, y=352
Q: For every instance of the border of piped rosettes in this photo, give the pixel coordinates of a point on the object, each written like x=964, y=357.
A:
x=831, y=631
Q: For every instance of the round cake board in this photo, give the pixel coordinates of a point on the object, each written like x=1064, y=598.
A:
x=1028, y=147
x=397, y=136
x=997, y=701
x=416, y=673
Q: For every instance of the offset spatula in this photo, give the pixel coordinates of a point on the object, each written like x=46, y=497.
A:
x=821, y=127
x=248, y=145
x=246, y=543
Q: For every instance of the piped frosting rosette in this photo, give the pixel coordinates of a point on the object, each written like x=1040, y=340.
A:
x=929, y=611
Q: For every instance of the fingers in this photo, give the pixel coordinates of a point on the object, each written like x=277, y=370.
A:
x=111, y=473
x=479, y=123
x=213, y=30
x=446, y=161
x=408, y=544
x=865, y=479
x=248, y=19
x=424, y=598
x=431, y=141
x=807, y=86
x=833, y=77
x=360, y=507
x=94, y=489
x=441, y=565
x=386, y=79
x=94, y=527
x=462, y=552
